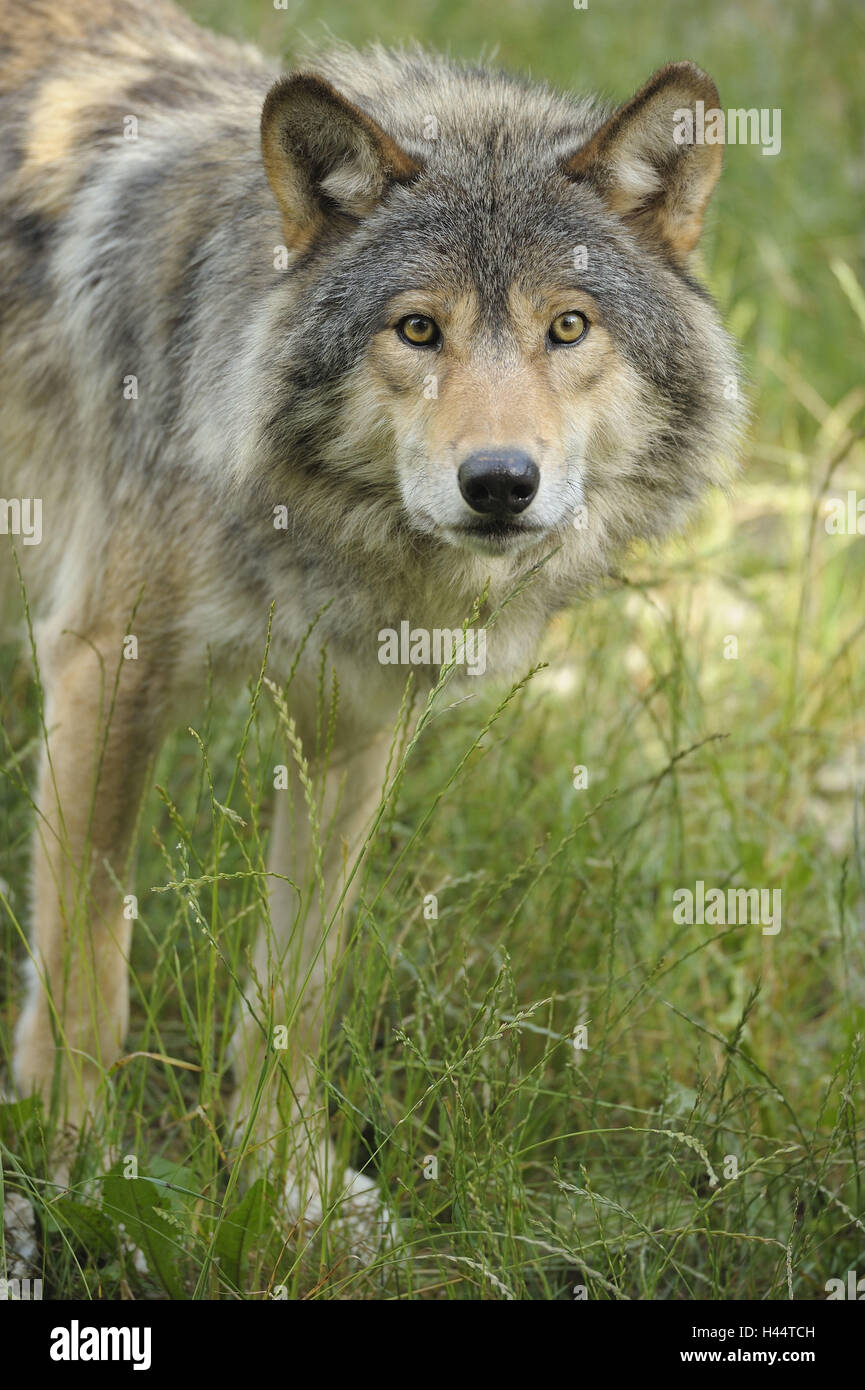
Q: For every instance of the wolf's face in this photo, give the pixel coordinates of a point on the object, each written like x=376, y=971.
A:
x=501, y=340
x=491, y=406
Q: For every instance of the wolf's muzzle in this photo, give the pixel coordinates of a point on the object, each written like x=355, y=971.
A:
x=499, y=482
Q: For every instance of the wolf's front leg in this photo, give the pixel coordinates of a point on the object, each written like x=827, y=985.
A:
x=293, y=966
x=102, y=716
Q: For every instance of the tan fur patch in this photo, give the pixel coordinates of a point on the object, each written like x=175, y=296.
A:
x=56, y=124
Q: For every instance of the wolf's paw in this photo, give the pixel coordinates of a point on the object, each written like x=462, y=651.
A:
x=357, y=1215
x=19, y=1232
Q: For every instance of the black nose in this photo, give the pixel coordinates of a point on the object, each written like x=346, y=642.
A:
x=498, y=482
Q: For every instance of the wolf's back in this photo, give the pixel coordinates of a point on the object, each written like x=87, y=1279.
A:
x=103, y=105
x=36, y=35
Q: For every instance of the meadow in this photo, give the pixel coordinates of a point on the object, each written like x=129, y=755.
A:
x=563, y=1090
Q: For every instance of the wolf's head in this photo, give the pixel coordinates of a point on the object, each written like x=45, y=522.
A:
x=501, y=344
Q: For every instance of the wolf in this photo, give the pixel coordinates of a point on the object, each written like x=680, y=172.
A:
x=387, y=339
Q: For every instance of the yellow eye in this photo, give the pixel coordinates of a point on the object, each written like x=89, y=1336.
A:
x=419, y=331
x=569, y=328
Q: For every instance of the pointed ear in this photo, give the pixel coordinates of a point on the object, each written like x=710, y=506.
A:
x=646, y=165
x=323, y=154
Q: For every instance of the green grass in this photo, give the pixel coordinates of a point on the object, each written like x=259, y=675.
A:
x=451, y=1038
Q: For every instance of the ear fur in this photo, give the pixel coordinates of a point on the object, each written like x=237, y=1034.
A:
x=322, y=154
x=658, y=185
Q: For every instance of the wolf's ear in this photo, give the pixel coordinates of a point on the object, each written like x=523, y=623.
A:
x=322, y=153
x=644, y=161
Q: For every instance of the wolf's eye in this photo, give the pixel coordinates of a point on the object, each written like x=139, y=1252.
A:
x=419, y=331
x=569, y=328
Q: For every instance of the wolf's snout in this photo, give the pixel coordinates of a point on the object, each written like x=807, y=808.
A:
x=499, y=482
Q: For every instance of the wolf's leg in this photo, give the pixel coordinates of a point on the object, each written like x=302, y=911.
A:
x=102, y=717
x=292, y=964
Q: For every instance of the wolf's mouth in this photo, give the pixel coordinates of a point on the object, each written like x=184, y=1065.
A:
x=495, y=537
